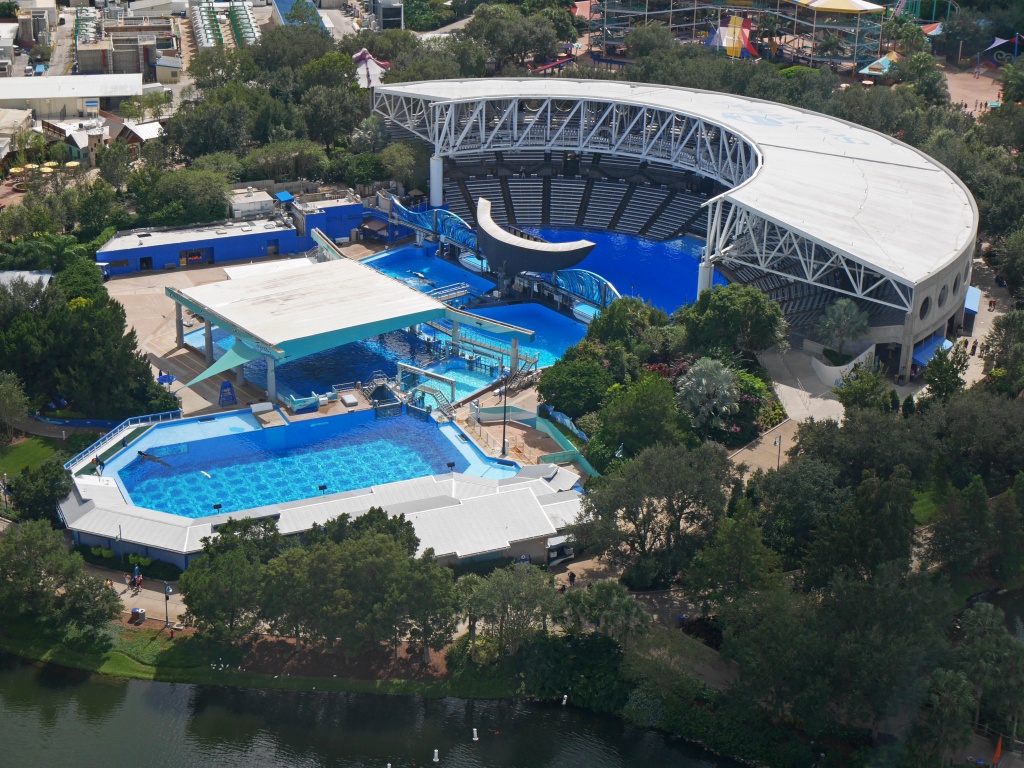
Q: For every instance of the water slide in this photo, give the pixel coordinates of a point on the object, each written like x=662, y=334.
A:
x=437, y=221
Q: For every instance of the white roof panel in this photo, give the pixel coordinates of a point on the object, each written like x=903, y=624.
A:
x=70, y=87
x=861, y=192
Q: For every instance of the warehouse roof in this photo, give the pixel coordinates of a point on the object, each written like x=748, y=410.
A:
x=70, y=87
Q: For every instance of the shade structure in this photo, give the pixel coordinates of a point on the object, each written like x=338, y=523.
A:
x=72, y=164
x=17, y=169
x=232, y=358
x=882, y=65
x=841, y=6
x=51, y=164
x=925, y=350
x=972, y=300
x=284, y=197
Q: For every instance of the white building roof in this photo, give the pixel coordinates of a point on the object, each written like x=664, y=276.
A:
x=454, y=514
x=136, y=238
x=860, y=192
x=70, y=87
x=146, y=131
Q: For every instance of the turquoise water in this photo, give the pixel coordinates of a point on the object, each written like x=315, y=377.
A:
x=661, y=272
x=241, y=468
x=403, y=264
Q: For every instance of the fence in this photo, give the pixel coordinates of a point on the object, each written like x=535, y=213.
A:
x=568, y=454
x=103, y=442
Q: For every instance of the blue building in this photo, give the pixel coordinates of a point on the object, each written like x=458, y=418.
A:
x=142, y=250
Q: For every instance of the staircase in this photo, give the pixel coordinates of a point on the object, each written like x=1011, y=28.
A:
x=444, y=405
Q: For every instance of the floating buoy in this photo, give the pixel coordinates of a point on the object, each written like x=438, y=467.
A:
x=475, y=737
x=436, y=758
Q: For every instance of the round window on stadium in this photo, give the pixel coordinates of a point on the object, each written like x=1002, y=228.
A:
x=943, y=294
x=956, y=285
x=926, y=307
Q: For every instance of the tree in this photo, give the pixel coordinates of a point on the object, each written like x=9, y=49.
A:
x=639, y=415
x=400, y=161
x=843, y=321
x=1005, y=356
x=36, y=491
x=303, y=12
x=944, y=373
x=467, y=600
x=945, y=725
x=649, y=39
x=610, y=607
x=371, y=135
x=13, y=403
x=875, y=528
x=735, y=563
x=115, y=163
x=920, y=72
x=515, y=600
x=624, y=321
x=288, y=594
x=432, y=604
x=962, y=536
x=864, y=387
x=329, y=113
x=650, y=515
x=574, y=387
x=81, y=279
x=222, y=593
x=8, y=9
x=983, y=650
x=1011, y=78
x=41, y=579
x=708, y=393
x=331, y=71
x=733, y=317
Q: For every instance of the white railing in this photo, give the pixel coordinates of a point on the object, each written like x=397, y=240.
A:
x=103, y=442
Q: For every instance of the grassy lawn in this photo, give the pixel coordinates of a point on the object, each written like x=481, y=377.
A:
x=28, y=453
x=146, y=654
x=925, y=506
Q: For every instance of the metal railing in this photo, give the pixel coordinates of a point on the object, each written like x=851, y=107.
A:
x=103, y=442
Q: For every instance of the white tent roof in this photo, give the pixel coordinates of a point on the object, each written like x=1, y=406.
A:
x=860, y=192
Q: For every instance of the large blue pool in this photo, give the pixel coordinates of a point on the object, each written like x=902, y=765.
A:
x=233, y=462
x=404, y=263
x=663, y=273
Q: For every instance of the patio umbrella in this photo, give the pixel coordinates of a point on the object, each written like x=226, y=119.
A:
x=31, y=167
x=167, y=378
x=72, y=164
x=17, y=170
x=46, y=170
x=51, y=164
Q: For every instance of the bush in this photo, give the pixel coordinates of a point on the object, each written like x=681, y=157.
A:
x=584, y=667
x=836, y=358
x=155, y=569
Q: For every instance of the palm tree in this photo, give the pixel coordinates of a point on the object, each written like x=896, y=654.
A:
x=949, y=710
x=1011, y=77
x=467, y=589
x=830, y=45
x=371, y=135
x=709, y=394
x=842, y=322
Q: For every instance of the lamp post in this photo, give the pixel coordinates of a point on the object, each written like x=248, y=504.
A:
x=504, y=414
x=167, y=600
x=778, y=462
x=6, y=492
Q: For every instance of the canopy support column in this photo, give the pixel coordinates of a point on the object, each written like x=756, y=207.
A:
x=436, y=181
x=705, y=275
x=456, y=334
x=239, y=370
x=208, y=341
x=513, y=358
x=271, y=380
x=179, y=327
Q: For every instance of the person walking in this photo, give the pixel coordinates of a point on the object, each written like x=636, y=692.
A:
x=572, y=579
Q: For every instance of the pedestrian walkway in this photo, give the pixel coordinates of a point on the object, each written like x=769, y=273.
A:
x=150, y=598
x=799, y=389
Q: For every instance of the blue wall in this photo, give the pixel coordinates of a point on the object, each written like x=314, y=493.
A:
x=335, y=222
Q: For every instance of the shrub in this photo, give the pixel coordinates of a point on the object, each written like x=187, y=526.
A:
x=97, y=551
x=108, y=554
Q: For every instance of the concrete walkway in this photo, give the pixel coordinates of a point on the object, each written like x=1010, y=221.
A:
x=150, y=598
x=801, y=392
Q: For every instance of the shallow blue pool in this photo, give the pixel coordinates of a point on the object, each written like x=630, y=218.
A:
x=555, y=332
x=241, y=466
x=403, y=264
x=663, y=273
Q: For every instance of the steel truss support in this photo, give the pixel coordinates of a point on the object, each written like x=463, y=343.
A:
x=739, y=237
x=655, y=134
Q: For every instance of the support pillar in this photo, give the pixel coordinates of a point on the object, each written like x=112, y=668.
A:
x=208, y=341
x=907, y=350
x=513, y=359
x=179, y=327
x=271, y=380
x=436, y=181
x=705, y=275
x=456, y=334
x=239, y=370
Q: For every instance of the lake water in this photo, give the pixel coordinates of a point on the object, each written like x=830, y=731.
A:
x=54, y=717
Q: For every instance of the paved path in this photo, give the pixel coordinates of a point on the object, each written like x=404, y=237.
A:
x=798, y=387
x=150, y=598
x=764, y=453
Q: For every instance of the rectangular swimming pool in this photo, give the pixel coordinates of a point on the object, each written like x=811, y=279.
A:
x=229, y=460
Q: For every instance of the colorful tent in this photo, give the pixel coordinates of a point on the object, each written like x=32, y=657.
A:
x=735, y=39
x=932, y=30
x=881, y=66
x=841, y=6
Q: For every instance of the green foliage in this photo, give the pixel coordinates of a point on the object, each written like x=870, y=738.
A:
x=303, y=12
x=624, y=322
x=962, y=536
x=709, y=394
x=864, y=387
x=225, y=164
x=574, y=387
x=154, y=569
x=285, y=161
x=8, y=9
x=177, y=198
x=583, y=667
x=511, y=36
x=400, y=161
x=13, y=404
x=944, y=373
x=36, y=491
x=637, y=416
x=81, y=279
x=115, y=163
x=1006, y=349
x=843, y=321
x=513, y=602
x=733, y=317
x=40, y=579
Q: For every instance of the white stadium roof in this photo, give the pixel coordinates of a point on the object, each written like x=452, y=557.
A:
x=859, y=192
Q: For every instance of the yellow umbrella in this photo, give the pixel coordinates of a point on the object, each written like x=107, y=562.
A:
x=73, y=164
x=46, y=170
x=51, y=164
x=31, y=167
x=17, y=170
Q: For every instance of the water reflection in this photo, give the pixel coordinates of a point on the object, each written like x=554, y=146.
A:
x=53, y=719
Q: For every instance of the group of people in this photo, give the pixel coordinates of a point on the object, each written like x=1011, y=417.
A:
x=134, y=580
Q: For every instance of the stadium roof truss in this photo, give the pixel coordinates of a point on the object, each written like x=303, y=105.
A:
x=738, y=236
x=582, y=125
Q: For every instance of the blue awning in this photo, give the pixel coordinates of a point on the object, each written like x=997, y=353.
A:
x=924, y=351
x=284, y=197
x=973, y=300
